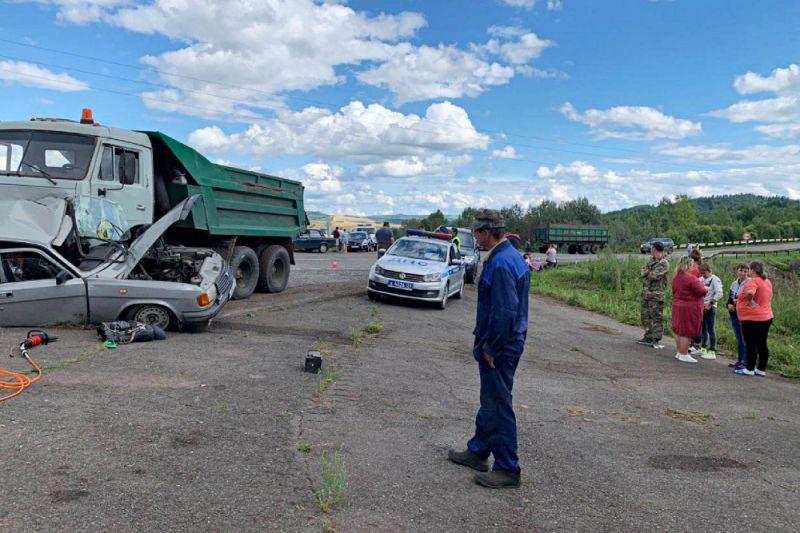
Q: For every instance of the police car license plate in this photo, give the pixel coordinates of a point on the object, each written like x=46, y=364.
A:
x=401, y=285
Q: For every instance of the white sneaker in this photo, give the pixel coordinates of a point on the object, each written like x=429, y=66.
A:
x=677, y=355
x=657, y=346
x=708, y=354
x=694, y=351
x=759, y=373
x=686, y=358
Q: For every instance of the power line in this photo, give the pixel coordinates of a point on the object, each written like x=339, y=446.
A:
x=648, y=155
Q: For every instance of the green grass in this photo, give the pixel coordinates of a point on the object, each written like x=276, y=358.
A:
x=334, y=482
x=373, y=328
x=611, y=286
x=303, y=447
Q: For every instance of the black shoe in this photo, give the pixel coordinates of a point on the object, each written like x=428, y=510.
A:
x=498, y=479
x=467, y=458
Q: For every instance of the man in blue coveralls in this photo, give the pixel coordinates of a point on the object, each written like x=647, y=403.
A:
x=500, y=331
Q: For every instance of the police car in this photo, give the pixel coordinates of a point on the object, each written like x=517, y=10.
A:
x=421, y=266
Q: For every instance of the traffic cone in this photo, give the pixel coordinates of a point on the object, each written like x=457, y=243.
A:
x=335, y=265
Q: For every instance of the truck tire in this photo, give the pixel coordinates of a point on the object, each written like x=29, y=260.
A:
x=244, y=264
x=585, y=249
x=323, y=248
x=595, y=248
x=572, y=249
x=273, y=273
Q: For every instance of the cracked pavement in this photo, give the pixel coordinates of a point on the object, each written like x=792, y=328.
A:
x=200, y=432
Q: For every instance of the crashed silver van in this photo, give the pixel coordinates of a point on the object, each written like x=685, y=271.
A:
x=49, y=274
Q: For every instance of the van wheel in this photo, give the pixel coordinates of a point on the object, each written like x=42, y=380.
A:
x=595, y=248
x=154, y=315
x=244, y=264
x=273, y=273
x=323, y=248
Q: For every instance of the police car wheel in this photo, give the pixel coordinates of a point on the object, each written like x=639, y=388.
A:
x=460, y=293
x=443, y=303
x=469, y=278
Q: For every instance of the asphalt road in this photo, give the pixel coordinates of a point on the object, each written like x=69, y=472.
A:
x=200, y=432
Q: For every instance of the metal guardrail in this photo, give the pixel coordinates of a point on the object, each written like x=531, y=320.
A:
x=735, y=243
x=737, y=253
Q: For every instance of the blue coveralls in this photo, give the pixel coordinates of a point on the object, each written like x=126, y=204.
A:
x=500, y=331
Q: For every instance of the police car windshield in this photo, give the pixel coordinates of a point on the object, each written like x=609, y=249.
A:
x=429, y=251
x=358, y=235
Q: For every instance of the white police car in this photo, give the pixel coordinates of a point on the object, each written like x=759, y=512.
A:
x=422, y=266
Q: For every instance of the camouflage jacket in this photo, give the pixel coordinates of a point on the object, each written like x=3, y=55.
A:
x=654, y=278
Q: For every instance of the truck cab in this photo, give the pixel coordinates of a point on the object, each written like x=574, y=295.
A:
x=83, y=159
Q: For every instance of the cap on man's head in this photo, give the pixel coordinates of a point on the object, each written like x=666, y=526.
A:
x=488, y=219
x=658, y=245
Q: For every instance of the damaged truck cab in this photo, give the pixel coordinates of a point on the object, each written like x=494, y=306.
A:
x=249, y=218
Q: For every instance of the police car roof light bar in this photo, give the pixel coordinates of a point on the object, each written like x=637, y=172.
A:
x=429, y=234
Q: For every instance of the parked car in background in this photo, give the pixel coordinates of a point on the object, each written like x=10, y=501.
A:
x=370, y=230
x=470, y=254
x=314, y=240
x=49, y=274
x=669, y=245
x=359, y=241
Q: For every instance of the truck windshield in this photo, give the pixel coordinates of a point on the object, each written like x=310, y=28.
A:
x=45, y=154
x=467, y=241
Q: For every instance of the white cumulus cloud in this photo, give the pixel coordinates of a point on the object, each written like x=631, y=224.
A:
x=30, y=75
x=632, y=122
x=507, y=152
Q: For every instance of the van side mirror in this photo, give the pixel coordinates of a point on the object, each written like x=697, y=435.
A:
x=63, y=277
x=456, y=261
x=127, y=168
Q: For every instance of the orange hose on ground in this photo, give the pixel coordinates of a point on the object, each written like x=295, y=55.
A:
x=18, y=382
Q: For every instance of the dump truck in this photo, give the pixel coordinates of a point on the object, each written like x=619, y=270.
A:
x=250, y=218
x=576, y=238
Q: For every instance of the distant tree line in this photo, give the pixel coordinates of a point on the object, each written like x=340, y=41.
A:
x=711, y=219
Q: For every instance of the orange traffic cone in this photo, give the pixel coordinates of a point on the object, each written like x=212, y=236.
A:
x=335, y=265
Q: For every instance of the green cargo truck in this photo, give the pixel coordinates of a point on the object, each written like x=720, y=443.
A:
x=576, y=238
x=252, y=219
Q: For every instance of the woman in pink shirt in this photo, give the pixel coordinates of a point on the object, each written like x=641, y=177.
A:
x=754, y=309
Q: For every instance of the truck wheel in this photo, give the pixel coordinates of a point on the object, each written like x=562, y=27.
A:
x=595, y=248
x=323, y=248
x=273, y=274
x=244, y=264
x=154, y=315
x=585, y=249
x=572, y=249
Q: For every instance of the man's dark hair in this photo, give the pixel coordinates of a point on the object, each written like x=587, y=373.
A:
x=697, y=256
x=759, y=268
x=454, y=230
x=496, y=233
x=742, y=265
x=385, y=224
x=705, y=267
x=658, y=245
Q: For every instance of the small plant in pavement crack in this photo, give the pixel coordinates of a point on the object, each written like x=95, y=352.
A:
x=303, y=447
x=334, y=481
x=373, y=328
x=325, y=383
x=356, y=337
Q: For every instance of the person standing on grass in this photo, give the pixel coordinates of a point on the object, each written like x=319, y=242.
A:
x=708, y=336
x=742, y=277
x=754, y=307
x=687, y=308
x=654, y=284
x=500, y=331
x=551, y=256
x=697, y=257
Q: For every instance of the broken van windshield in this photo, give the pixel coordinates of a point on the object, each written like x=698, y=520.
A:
x=45, y=154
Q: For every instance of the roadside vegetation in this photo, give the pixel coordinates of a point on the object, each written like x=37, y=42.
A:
x=611, y=286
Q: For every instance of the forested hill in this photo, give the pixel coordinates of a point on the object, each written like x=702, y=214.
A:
x=707, y=219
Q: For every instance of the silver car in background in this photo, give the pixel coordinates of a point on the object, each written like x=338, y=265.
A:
x=44, y=281
x=418, y=268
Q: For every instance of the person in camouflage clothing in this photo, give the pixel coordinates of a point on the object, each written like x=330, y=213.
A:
x=654, y=283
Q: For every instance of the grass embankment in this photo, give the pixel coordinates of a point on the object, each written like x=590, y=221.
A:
x=611, y=286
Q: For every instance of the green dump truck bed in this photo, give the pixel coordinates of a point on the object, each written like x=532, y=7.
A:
x=571, y=233
x=235, y=202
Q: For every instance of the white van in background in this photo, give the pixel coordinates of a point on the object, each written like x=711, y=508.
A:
x=370, y=230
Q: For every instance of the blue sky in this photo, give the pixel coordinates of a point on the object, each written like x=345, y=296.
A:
x=417, y=105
